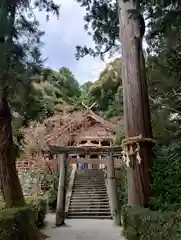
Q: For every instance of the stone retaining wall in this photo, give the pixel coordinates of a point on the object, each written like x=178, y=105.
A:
x=28, y=179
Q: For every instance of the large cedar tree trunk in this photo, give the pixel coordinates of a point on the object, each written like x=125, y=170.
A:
x=10, y=182
x=136, y=103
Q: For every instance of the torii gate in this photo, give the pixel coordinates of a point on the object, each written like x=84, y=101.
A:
x=62, y=154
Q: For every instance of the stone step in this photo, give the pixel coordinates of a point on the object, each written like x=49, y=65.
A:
x=93, y=191
x=88, y=188
x=89, y=210
x=86, y=184
x=76, y=192
x=84, y=199
x=79, y=191
x=82, y=194
x=95, y=213
x=88, y=217
x=92, y=201
x=88, y=207
x=85, y=171
x=89, y=196
x=88, y=175
x=89, y=184
x=88, y=180
x=91, y=204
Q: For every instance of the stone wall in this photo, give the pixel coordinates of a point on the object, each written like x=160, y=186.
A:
x=31, y=180
x=28, y=179
x=31, y=172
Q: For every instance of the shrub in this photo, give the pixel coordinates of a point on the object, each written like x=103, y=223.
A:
x=121, y=184
x=166, y=179
x=143, y=224
x=38, y=207
x=14, y=223
x=52, y=195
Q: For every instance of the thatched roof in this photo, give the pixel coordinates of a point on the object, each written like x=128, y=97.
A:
x=61, y=129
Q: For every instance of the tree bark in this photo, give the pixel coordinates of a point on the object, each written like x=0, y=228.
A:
x=136, y=103
x=10, y=182
x=11, y=185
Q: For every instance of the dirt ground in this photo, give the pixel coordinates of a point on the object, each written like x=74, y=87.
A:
x=81, y=229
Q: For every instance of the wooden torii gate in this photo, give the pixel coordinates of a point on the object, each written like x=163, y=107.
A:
x=63, y=161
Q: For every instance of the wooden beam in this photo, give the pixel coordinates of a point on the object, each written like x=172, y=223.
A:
x=53, y=149
x=60, y=211
x=92, y=161
x=97, y=138
x=112, y=191
x=69, y=191
x=88, y=108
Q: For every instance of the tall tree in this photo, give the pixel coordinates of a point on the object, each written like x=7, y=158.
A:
x=135, y=95
x=10, y=182
x=14, y=59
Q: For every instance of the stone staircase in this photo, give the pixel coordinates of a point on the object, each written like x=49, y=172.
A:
x=89, y=196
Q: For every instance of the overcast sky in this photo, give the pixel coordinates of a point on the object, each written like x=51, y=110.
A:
x=61, y=38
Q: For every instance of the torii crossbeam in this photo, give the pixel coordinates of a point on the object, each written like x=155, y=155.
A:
x=88, y=108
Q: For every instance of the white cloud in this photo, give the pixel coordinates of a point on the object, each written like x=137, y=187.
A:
x=62, y=36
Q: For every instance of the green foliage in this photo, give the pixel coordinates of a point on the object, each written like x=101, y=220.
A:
x=15, y=223
x=101, y=22
x=143, y=224
x=121, y=183
x=106, y=92
x=166, y=179
x=52, y=195
x=38, y=206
